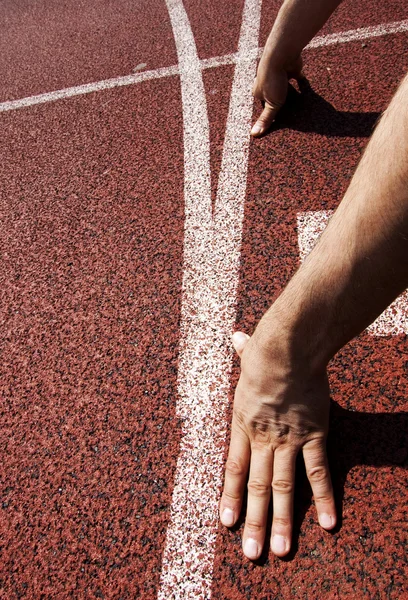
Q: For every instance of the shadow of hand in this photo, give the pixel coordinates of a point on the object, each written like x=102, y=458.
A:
x=355, y=438
x=309, y=112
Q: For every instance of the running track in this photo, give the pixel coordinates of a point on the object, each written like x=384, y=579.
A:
x=140, y=226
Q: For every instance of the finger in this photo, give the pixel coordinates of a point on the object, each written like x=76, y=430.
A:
x=239, y=340
x=317, y=469
x=266, y=118
x=259, y=495
x=236, y=470
x=283, y=490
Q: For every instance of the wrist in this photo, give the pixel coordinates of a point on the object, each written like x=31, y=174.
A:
x=278, y=55
x=295, y=330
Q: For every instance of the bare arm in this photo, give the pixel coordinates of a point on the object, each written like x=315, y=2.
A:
x=361, y=261
x=297, y=23
x=281, y=402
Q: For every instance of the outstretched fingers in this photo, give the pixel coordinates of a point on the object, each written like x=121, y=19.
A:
x=317, y=469
x=259, y=495
x=283, y=485
x=236, y=471
x=265, y=441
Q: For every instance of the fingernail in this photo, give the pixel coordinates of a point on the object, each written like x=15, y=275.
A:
x=278, y=544
x=227, y=517
x=256, y=129
x=326, y=520
x=251, y=549
x=240, y=338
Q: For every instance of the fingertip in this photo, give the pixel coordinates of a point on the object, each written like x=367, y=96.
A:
x=227, y=517
x=239, y=340
x=280, y=545
x=252, y=549
x=327, y=521
x=257, y=130
x=265, y=121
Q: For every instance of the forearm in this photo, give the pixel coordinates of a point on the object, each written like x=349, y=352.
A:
x=297, y=23
x=360, y=264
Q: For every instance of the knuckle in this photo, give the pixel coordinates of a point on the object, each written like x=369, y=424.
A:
x=240, y=419
x=260, y=427
x=235, y=467
x=323, y=498
x=232, y=496
x=257, y=487
x=265, y=119
x=260, y=438
x=282, y=522
x=282, y=486
x=254, y=525
x=317, y=474
x=316, y=444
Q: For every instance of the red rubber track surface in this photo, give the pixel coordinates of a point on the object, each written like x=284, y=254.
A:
x=50, y=44
x=92, y=215
x=91, y=237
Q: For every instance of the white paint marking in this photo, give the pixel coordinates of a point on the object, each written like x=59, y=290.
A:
x=208, y=63
x=355, y=35
x=229, y=59
x=139, y=67
x=88, y=88
x=187, y=558
x=394, y=320
x=211, y=266
x=311, y=225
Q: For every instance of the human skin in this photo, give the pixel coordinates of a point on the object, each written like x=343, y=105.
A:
x=296, y=24
x=281, y=406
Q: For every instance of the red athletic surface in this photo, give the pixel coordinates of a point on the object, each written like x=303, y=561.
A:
x=92, y=216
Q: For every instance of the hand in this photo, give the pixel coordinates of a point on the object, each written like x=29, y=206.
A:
x=271, y=88
x=278, y=410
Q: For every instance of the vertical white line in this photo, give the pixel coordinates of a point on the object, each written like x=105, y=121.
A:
x=229, y=207
x=185, y=573
x=211, y=263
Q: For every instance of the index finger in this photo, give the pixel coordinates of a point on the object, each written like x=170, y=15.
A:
x=266, y=118
x=317, y=469
x=236, y=471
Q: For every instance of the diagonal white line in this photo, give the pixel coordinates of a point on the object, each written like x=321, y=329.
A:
x=211, y=265
x=88, y=88
x=208, y=63
x=362, y=33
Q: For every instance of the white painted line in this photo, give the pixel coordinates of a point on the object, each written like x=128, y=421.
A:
x=211, y=268
x=311, y=225
x=394, y=320
x=208, y=63
x=229, y=59
x=88, y=88
x=354, y=35
x=187, y=557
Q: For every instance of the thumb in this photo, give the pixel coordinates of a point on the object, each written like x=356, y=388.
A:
x=239, y=341
x=266, y=118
